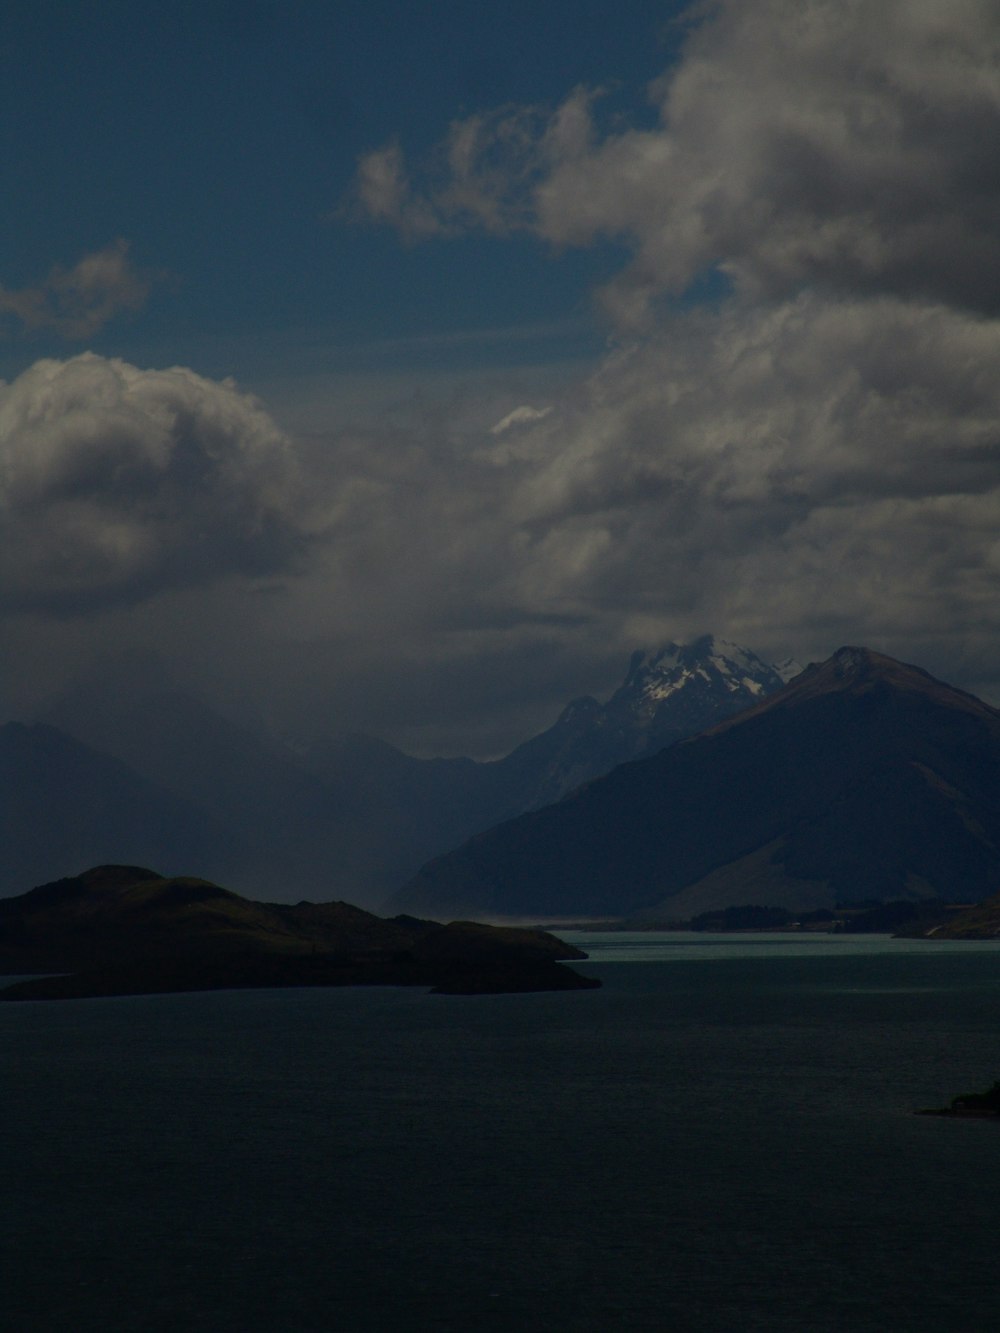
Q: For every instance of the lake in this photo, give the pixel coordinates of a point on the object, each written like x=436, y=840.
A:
x=720, y=1138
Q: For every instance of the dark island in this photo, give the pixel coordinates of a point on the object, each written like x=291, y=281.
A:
x=125, y=930
x=983, y=1105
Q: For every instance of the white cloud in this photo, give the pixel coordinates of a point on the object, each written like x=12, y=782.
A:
x=519, y=417
x=836, y=142
x=814, y=463
x=812, y=459
x=76, y=303
x=117, y=482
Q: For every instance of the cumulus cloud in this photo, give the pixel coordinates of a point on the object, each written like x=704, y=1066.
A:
x=788, y=472
x=76, y=303
x=836, y=143
x=810, y=399
x=117, y=482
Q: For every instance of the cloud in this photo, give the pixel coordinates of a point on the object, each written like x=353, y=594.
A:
x=792, y=467
x=796, y=475
x=812, y=460
x=76, y=303
x=519, y=416
x=116, y=483
x=835, y=143
x=483, y=175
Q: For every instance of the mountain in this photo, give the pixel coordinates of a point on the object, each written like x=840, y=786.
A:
x=126, y=930
x=280, y=827
x=668, y=694
x=66, y=804
x=352, y=816
x=426, y=806
x=863, y=778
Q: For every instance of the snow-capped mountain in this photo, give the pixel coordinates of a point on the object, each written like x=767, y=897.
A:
x=680, y=686
x=865, y=778
x=668, y=694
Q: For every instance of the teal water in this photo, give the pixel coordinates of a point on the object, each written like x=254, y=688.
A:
x=719, y=1145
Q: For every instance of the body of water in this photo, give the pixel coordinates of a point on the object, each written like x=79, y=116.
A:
x=721, y=1138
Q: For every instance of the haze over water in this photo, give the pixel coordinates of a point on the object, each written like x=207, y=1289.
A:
x=722, y=1137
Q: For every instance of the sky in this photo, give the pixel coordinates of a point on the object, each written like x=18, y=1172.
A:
x=403, y=368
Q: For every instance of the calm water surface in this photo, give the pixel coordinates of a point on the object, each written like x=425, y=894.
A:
x=720, y=1139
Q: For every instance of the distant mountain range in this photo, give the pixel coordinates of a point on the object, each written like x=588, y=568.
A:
x=862, y=779
x=120, y=770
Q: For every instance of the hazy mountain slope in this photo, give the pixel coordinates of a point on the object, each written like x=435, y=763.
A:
x=65, y=805
x=863, y=778
x=667, y=695
x=418, y=807
x=427, y=806
x=355, y=818
x=283, y=829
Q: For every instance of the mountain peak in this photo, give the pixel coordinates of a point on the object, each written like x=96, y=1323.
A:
x=865, y=777
x=584, y=708
x=853, y=666
x=709, y=670
x=854, y=669
x=706, y=648
x=850, y=658
x=854, y=662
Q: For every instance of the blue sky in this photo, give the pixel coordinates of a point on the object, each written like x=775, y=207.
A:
x=407, y=367
x=220, y=140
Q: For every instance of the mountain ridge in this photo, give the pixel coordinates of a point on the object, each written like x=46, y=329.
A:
x=863, y=777
x=352, y=816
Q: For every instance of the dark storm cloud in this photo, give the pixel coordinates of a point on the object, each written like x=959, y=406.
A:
x=119, y=482
x=836, y=142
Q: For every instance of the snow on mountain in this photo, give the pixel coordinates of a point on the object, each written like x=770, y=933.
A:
x=669, y=693
x=865, y=778
x=788, y=669
x=684, y=688
x=354, y=817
